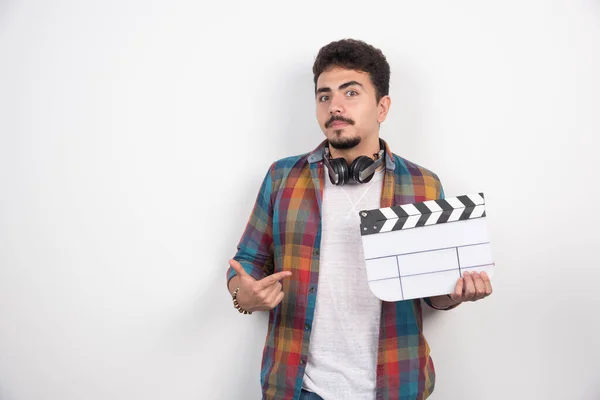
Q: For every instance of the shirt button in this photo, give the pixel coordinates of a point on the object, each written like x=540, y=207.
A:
x=306, y=327
x=302, y=361
x=315, y=252
x=312, y=289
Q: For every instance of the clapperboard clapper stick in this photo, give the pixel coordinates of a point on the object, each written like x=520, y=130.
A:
x=421, y=249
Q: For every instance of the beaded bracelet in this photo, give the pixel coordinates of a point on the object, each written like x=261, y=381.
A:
x=236, y=304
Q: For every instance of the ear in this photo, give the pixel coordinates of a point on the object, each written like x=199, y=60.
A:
x=384, y=106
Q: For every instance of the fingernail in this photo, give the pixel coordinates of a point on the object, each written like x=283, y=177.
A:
x=484, y=274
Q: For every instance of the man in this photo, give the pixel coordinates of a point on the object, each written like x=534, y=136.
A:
x=300, y=257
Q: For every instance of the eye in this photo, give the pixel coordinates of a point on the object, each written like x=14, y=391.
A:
x=351, y=93
x=323, y=98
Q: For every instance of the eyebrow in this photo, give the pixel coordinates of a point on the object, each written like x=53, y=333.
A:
x=342, y=86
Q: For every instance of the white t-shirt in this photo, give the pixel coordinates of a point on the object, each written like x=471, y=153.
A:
x=342, y=354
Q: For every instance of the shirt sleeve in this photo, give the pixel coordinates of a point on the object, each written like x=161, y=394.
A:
x=255, y=248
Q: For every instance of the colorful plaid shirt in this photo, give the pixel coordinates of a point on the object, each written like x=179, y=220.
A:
x=284, y=234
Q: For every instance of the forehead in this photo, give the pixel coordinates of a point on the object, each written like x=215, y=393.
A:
x=336, y=76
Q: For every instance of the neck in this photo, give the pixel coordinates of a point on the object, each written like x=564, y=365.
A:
x=365, y=148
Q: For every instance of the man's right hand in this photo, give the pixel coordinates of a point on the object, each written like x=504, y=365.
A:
x=262, y=295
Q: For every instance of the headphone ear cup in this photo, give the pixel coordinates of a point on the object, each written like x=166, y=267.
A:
x=339, y=166
x=358, y=165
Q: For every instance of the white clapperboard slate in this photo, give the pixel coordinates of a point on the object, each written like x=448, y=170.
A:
x=421, y=249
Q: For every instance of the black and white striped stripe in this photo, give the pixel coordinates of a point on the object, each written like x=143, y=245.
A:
x=425, y=213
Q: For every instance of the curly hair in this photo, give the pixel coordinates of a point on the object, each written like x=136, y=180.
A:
x=356, y=55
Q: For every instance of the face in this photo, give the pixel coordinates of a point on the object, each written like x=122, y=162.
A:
x=347, y=110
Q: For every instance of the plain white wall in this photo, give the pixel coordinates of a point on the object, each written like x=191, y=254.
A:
x=135, y=134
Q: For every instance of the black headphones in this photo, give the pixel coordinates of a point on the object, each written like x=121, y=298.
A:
x=361, y=170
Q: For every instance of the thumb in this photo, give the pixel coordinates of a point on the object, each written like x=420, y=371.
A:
x=237, y=267
x=458, y=290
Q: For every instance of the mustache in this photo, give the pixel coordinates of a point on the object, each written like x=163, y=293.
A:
x=338, y=118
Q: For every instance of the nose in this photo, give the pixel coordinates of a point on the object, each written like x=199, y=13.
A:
x=335, y=106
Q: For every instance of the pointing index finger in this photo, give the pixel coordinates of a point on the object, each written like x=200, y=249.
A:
x=276, y=277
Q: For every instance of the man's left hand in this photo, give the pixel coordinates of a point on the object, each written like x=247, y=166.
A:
x=472, y=286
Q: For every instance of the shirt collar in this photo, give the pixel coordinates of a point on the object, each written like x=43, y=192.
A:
x=317, y=155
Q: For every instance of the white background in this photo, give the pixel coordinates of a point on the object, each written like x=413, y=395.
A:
x=134, y=136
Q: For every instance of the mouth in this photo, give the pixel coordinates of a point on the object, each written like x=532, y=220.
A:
x=338, y=124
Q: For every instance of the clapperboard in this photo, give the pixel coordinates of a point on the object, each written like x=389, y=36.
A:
x=421, y=249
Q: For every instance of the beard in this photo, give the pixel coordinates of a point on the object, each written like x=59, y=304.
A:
x=343, y=143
